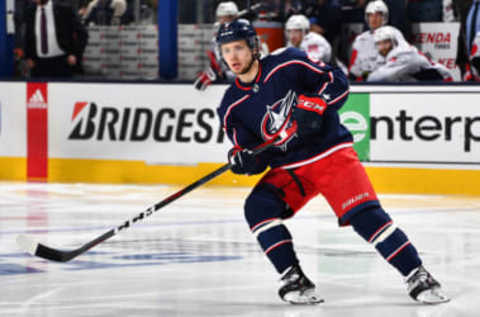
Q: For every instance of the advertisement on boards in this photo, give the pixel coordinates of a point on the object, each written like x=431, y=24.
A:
x=175, y=124
x=425, y=127
x=439, y=42
x=355, y=116
x=13, y=120
x=159, y=124
x=37, y=100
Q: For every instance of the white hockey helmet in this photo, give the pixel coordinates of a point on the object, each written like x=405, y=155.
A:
x=385, y=33
x=227, y=8
x=297, y=22
x=377, y=6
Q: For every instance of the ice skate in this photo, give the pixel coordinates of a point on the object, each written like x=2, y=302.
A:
x=297, y=288
x=424, y=288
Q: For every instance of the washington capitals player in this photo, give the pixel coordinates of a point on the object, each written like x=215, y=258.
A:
x=288, y=100
x=365, y=58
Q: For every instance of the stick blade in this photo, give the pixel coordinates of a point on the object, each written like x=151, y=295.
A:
x=27, y=244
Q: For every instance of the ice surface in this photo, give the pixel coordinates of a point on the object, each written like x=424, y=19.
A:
x=196, y=257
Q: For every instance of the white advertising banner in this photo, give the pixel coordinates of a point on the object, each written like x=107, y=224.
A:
x=13, y=120
x=158, y=124
x=425, y=127
x=439, y=42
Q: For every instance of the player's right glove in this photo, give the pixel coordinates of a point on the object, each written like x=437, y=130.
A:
x=243, y=161
x=308, y=113
x=204, y=79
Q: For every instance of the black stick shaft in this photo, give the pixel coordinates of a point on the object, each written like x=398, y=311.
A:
x=49, y=253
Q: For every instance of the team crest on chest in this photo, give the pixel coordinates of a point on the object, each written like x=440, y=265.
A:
x=277, y=121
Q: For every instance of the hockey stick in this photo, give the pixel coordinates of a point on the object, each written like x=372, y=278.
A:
x=43, y=251
x=250, y=8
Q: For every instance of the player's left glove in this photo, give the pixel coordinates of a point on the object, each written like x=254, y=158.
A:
x=308, y=113
x=243, y=161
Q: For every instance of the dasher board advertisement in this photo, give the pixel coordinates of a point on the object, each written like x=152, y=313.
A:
x=164, y=124
x=13, y=125
x=425, y=127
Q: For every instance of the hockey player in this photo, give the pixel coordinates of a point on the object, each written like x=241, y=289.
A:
x=287, y=100
x=298, y=34
x=226, y=12
x=404, y=63
x=364, y=58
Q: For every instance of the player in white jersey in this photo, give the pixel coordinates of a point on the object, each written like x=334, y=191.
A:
x=226, y=12
x=404, y=63
x=365, y=58
x=473, y=68
x=298, y=35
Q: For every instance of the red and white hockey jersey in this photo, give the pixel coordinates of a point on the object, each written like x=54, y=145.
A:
x=316, y=47
x=408, y=64
x=365, y=57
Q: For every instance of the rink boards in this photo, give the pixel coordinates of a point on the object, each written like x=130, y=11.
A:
x=413, y=139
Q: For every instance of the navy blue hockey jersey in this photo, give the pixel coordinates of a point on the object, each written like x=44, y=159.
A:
x=251, y=113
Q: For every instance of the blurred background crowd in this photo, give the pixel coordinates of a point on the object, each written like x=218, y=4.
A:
x=340, y=23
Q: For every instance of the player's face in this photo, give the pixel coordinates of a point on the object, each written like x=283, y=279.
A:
x=295, y=37
x=384, y=47
x=238, y=56
x=375, y=20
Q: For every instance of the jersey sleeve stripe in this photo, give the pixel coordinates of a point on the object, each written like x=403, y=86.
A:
x=273, y=71
x=339, y=98
x=324, y=86
x=230, y=108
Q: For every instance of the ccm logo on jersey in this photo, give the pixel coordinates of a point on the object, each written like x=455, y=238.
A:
x=315, y=104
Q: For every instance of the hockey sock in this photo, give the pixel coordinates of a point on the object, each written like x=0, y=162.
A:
x=263, y=210
x=376, y=227
x=276, y=242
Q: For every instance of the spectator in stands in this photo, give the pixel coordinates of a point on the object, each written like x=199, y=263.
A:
x=19, y=54
x=326, y=18
x=404, y=62
x=473, y=67
x=425, y=10
x=104, y=12
x=54, y=39
x=472, y=26
x=461, y=9
x=365, y=58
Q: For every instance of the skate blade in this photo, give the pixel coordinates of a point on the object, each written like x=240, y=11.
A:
x=307, y=298
x=433, y=296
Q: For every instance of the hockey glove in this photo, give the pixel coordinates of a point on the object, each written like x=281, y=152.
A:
x=308, y=114
x=243, y=161
x=204, y=79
